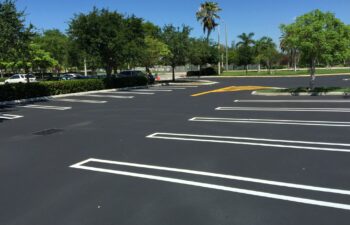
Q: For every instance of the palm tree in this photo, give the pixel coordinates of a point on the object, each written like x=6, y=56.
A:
x=207, y=14
x=265, y=50
x=289, y=45
x=246, y=40
x=245, y=49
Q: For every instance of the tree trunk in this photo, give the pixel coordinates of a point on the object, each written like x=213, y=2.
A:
x=269, y=66
x=295, y=63
x=109, y=71
x=259, y=68
x=246, y=69
x=173, y=69
x=312, y=74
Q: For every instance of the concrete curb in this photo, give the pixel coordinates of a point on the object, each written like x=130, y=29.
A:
x=301, y=94
x=47, y=98
x=278, y=76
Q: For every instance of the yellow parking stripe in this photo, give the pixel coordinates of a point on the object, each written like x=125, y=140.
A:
x=232, y=89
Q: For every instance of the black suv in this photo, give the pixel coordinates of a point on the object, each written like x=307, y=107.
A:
x=135, y=73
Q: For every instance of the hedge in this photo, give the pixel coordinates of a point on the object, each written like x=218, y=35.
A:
x=9, y=92
x=203, y=72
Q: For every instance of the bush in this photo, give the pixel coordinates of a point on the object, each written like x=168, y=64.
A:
x=209, y=71
x=10, y=92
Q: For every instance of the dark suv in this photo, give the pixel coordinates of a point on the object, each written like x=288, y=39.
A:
x=135, y=73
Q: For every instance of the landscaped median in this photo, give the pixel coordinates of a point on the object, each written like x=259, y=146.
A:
x=11, y=92
x=302, y=72
x=303, y=91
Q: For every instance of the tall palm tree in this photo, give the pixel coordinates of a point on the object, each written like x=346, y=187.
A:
x=207, y=14
x=246, y=40
x=245, y=49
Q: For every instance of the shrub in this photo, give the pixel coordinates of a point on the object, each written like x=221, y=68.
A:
x=10, y=92
x=209, y=71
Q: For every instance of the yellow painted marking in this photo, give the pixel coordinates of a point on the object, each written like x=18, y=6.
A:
x=232, y=89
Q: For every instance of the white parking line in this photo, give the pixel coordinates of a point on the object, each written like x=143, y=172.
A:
x=9, y=116
x=109, y=96
x=168, y=88
x=292, y=101
x=80, y=101
x=272, y=109
x=183, y=86
x=153, y=90
x=81, y=165
x=134, y=93
x=49, y=107
x=293, y=144
x=270, y=121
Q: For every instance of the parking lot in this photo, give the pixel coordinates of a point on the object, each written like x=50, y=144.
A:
x=162, y=156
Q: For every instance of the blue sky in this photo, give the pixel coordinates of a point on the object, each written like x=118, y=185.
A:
x=262, y=17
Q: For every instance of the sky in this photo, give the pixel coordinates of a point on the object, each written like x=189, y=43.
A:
x=263, y=17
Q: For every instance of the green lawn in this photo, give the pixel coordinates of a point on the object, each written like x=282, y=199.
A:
x=284, y=72
x=305, y=89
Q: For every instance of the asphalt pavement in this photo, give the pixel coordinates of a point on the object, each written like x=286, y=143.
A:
x=160, y=156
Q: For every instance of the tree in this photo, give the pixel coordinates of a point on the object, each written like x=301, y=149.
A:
x=245, y=49
x=135, y=44
x=101, y=34
x=15, y=36
x=56, y=44
x=207, y=14
x=201, y=53
x=155, y=51
x=266, y=52
x=321, y=37
x=289, y=45
x=41, y=60
x=178, y=43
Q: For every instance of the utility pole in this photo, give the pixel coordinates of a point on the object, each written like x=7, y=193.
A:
x=226, y=47
x=219, y=64
x=85, y=67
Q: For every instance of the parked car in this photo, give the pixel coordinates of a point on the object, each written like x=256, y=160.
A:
x=20, y=78
x=134, y=73
x=71, y=76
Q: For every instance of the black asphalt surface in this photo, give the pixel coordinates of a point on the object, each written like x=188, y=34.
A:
x=38, y=186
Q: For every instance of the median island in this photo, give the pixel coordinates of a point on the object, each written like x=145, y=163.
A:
x=304, y=91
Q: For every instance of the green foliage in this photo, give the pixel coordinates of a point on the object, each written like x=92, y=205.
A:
x=178, y=43
x=108, y=37
x=201, y=52
x=15, y=36
x=10, y=92
x=320, y=37
x=155, y=51
x=266, y=52
x=207, y=14
x=245, y=49
x=55, y=43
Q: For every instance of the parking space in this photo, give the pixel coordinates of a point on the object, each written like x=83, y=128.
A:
x=170, y=157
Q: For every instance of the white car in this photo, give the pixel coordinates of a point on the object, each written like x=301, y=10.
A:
x=20, y=78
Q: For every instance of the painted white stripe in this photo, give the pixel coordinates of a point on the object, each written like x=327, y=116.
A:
x=9, y=116
x=168, y=88
x=135, y=93
x=109, y=96
x=46, y=107
x=269, y=121
x=81, y=101
x=223, y=176
x=208, y=185
x=293, y=101
x=342, y=110
x=153, y=90
x=252, y=141
x=181, y=86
